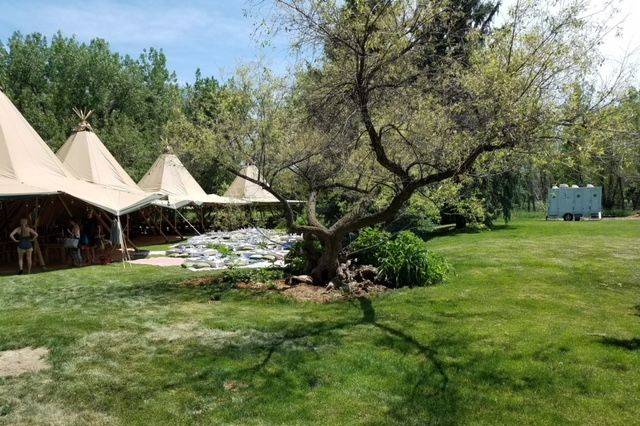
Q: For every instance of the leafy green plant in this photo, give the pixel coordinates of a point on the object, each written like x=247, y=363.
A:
x=617, y=213
x=405, y=261
x=301, y=255
x=368, y=248
x=222, y=249
x=242, y=275
x=229, y=218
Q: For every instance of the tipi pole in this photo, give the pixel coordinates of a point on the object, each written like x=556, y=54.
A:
x=188, y=223
x=172, y=225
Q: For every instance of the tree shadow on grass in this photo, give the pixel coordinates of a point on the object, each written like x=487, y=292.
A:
x=464, y=231
x=421, y=394
x=427, y=394
x=632, y=344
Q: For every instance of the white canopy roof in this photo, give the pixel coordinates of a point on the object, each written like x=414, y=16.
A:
x=170, y=177
x=29, y=167
x=248, y=191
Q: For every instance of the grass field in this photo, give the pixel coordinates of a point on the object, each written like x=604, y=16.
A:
x=539, y=325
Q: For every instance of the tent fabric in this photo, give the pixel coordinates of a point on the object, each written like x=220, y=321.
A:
x=29, y=167
x=169, y=176
x=243, y=189
x=88, y=159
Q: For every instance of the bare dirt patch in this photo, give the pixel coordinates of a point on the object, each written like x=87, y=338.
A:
x=25, y=360
x=312, y=293
x=299, y=292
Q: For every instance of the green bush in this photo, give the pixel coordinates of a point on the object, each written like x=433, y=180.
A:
x=368, y=248
x=243, y=275
x=405, y=261
x=617, y=213
x=302, y=254
x=402, y=260
x=229, y=218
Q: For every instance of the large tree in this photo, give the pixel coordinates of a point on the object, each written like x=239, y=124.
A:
x=371, y=117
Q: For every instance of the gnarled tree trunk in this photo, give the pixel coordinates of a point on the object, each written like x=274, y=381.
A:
x=326, y=267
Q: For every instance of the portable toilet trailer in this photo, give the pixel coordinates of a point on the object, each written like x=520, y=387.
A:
x=575, y=203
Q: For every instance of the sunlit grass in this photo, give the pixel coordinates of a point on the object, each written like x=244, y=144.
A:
x=539, y=324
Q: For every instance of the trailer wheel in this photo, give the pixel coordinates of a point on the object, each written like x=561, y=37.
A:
x=568, y=217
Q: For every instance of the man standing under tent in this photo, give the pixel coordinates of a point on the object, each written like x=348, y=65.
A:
x=25, y=240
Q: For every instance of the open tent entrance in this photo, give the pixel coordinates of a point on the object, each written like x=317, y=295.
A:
x=50, y=216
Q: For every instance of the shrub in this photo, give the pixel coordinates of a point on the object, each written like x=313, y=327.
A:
x=229, y=218
x=369, y=246
x=617, y=213
x=240, y=275
x=301, y=255
x=405, y=261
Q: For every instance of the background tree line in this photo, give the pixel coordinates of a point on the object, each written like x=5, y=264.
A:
x=139, y=106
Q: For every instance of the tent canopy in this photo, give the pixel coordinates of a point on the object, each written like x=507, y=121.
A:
x=88, y=159
x=248, y=191
x=170, y=177
x=28, y=167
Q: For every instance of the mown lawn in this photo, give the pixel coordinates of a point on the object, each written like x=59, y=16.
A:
x=540, y=325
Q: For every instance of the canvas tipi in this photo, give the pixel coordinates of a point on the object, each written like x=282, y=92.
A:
x=248, y=191
x=28, y=167
x=88, y=159
x=170, y=177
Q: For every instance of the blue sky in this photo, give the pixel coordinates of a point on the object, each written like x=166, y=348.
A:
x=213, y=35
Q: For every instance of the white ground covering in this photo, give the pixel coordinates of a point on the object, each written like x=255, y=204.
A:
x=245, y=248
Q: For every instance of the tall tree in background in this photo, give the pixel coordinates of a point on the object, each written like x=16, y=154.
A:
x=132, y=99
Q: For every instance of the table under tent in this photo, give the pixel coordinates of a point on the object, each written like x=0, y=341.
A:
x=185, y=196
x=35, y=183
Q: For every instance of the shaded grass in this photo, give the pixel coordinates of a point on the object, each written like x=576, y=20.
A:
x=539, y=325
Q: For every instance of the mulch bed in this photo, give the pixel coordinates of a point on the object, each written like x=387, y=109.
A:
x=299, y=292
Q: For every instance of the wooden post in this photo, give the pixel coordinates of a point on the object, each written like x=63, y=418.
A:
x=151, y=224
x=108, y=226
x=173, y=226
x=36, y=245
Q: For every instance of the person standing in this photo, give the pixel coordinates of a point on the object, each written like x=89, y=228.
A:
x=25, y=238
x=89, y=237
x=72, y=242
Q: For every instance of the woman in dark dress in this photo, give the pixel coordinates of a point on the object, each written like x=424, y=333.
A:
x=88, y=237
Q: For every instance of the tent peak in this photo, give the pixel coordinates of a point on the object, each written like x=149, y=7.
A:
x=84, y=120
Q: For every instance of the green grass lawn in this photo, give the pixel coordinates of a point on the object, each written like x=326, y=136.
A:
x=156, y=247
x=539, y=325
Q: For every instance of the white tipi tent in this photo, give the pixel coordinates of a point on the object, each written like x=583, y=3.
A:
x=248, y=191
x=28, y=167
x=170, y=177
x=88, y=159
